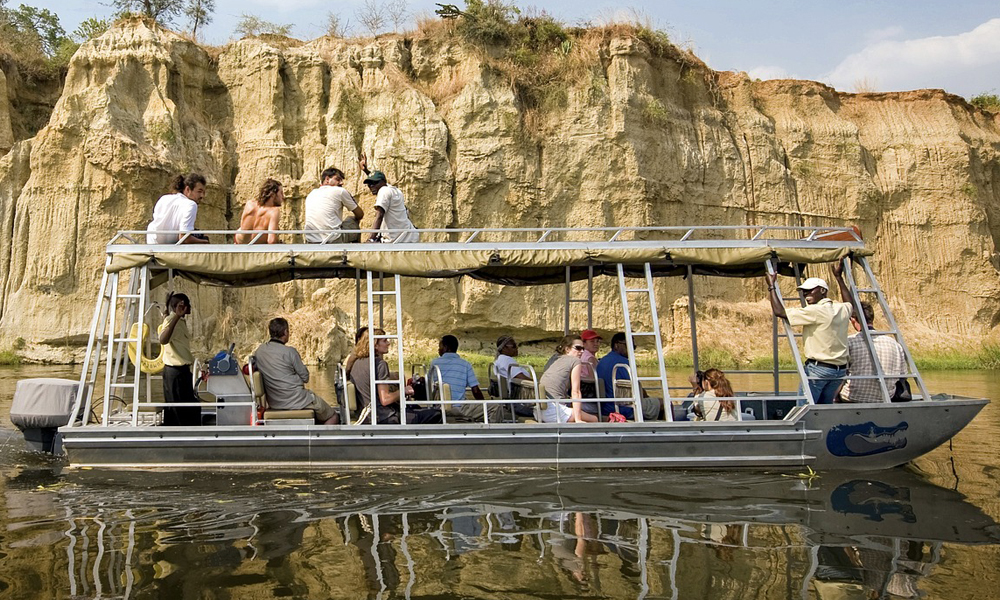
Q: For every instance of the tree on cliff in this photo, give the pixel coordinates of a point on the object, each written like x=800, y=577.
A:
x=254, y=25
x=161, y=11
x=200, y=13
x=34, y=37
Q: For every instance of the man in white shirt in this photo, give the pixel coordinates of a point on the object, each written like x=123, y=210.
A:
x=324, y=210
x=390, y=209
x=177, y=212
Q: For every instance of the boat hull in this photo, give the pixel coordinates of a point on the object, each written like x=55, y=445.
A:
x=841, y=437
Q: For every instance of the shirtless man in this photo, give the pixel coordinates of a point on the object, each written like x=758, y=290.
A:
x=262, y=214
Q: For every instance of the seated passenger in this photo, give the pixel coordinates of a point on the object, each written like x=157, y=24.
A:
x=607, y=371
x=457, y=373
x=588, y=373
x=561, y=381
x=349, y=361
x=560, y=351
x=285, y=376
x=387, y=408
x=712, y=384
x=504, y=365
x=262, y=214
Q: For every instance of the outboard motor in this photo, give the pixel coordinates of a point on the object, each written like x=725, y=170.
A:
x=40, y=407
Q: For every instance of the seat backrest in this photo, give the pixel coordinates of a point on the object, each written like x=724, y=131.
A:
x=257, y=386
x=351, y=393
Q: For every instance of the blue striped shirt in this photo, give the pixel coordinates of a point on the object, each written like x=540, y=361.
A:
x=456, y=372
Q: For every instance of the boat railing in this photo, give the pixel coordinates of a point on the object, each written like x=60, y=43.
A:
x=737, y=234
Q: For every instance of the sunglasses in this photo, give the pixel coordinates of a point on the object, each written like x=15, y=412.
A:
x=578, y=347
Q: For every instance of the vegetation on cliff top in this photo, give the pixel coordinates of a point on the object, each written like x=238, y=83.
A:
x=988, y=102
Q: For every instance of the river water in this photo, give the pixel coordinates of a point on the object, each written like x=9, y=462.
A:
x=925, y=531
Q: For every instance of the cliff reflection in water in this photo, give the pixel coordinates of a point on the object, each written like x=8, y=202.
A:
x=486, y=535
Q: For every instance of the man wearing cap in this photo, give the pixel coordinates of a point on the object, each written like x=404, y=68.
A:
x=390, y=209
x=325, y=210
x=607, y=371
x=824, y=325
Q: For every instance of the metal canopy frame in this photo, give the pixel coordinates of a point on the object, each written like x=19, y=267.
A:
x=116, y=311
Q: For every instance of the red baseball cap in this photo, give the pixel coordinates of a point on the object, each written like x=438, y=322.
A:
x=589, y=334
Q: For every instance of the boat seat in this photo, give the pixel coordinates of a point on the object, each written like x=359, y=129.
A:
x=351, y=396
x=260, y=398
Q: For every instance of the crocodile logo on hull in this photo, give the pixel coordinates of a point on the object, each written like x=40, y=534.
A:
x=865, y=439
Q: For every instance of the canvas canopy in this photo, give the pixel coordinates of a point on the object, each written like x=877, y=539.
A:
x=514, y=265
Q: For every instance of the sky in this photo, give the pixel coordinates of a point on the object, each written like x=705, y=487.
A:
x=852, y=45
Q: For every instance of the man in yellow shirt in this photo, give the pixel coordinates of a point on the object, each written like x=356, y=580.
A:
x=825, y=325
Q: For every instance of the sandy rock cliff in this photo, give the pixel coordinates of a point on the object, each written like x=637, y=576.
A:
x=648, y=140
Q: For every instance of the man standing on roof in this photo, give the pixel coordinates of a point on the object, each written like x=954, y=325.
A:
x=390, y=209
x=824, y=331
x=325, y=210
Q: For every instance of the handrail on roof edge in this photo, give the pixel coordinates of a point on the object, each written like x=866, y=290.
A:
x=849, y=234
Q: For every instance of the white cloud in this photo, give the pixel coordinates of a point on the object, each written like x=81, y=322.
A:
x=769, y=72
x=965, y=64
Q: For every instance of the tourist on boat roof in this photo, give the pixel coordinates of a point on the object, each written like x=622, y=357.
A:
x=607, y=372
x=713, y=384
x=285, y=376
x=177, y=211
x=263, y=213
x=561, y=381
x=387, y=409
x=458, y=374
x=390, y=208
x=824, y=331
x=325, y=210
x=890, y=356
x=177, y=361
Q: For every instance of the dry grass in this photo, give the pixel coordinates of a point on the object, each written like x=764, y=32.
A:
x=865, y=85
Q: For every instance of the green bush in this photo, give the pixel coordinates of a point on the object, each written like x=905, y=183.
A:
x=988, y=102
x=489, y=22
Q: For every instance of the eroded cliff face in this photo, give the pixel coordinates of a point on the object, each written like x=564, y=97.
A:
x=645, y=140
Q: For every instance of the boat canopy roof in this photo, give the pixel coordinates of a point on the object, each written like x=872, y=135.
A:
x=540, y=256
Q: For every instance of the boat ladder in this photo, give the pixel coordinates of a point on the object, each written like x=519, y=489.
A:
x=637, y=380
x=114, y=314
x=378, y=296
x=869, y=334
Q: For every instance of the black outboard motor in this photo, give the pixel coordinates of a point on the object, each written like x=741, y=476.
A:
x=40, y=407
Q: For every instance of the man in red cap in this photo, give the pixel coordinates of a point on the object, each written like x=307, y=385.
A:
x=591, y=344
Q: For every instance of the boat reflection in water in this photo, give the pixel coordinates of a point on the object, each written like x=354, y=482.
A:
x=611, y=534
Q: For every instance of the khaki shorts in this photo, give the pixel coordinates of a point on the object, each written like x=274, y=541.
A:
x=474, y=412
x=324, y=412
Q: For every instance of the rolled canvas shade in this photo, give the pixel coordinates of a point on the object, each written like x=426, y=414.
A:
x=511, y=266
